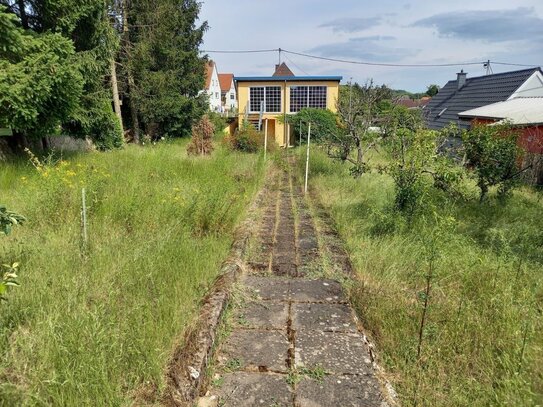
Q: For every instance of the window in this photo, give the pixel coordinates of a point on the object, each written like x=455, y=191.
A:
x=270, y=95
x=232, y=96
x=256, y=96
x=307, y=96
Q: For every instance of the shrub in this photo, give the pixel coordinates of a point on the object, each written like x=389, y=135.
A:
x=246, y=138
x=492, y=152
x=323, y=124
x=202, y=138
x=218, y=121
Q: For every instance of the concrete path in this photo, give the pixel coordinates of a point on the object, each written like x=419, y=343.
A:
x=290, y=337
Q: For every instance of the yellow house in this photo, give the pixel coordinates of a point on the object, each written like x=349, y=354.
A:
x=272, y=97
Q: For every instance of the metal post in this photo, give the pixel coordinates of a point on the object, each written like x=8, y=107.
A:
x=84, y=216
x=307, y=157
x=265, y=137
x=300, y=132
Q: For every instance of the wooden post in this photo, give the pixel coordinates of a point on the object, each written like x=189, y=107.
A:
x=307, y=157
x=265, y=138
x=84, y=217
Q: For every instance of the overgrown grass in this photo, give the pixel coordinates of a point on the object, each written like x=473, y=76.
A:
x=95, y=324
x=482, y=340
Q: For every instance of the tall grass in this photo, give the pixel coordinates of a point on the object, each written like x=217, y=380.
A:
x=482, y=333
x=95, y=325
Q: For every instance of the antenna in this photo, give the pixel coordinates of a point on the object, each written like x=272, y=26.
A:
x=488, y=67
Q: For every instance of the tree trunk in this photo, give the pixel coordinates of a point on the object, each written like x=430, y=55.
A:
x=115, y=91
x=131, y=83
x=22, y=14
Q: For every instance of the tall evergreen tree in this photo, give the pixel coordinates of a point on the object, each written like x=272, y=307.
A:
x=161, y=57
x=86, y=23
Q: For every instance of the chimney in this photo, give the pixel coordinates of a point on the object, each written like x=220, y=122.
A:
x=461, y=78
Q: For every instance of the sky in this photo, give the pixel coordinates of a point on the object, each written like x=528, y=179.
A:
x=385, y=31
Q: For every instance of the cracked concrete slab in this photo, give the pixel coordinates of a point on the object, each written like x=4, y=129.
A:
x=242, y=389
x=262, y=315
x=339, y=353
x=323, y=317
x=344, y=391
x=321, y=290
x=268, y=288
x=255, y=351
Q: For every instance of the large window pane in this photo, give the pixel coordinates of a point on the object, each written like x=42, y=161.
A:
x=273, y=99
x=317, y=97
x=298, y=98
x=256, y=96
x=307, y=96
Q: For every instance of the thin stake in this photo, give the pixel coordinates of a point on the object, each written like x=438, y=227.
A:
x=300, y=132
x=307, y=157
x=265, y=138
x=84, y=216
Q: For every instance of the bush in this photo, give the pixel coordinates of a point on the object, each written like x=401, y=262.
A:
x=492, y=152
x=219, y=122
x=246, y=138
x=202, y=138
x=323, y=124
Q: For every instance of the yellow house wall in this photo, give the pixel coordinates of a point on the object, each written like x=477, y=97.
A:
x=243, y=97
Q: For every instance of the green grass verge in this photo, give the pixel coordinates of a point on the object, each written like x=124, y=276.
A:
x=95, y=324
x=482, y=343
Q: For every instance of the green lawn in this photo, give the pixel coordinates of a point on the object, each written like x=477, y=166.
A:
x=482, y=343
x=95, y=325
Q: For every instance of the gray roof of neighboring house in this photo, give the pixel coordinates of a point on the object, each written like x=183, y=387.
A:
x=478, y=91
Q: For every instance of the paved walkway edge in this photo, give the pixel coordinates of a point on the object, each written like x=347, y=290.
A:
x=187, y=367
x=328, y=226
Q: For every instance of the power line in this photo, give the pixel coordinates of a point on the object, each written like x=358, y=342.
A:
x=250, y=51
x=346, y=61
x=294, y=63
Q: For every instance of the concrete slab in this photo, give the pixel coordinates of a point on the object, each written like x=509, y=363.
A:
x=254, y=389
x=284, y=269
x=344, y=391
x=262, y=315
x=323, y=317
x=268, y=288
x=338, y=353
x=253, y=350
x=321, y=290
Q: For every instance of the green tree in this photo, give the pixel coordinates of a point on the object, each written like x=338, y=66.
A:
x=86, y=26
x=358, y=108
x=492, y=152
x=432, y=90
x=162, y=64
x=40, y=84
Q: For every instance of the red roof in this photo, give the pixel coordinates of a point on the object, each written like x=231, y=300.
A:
x=225, y=80
x=282, y=70
x=209, y=73
x=410, y=103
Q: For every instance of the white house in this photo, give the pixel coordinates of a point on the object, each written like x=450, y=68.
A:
x=213, y=87
x=228, y=92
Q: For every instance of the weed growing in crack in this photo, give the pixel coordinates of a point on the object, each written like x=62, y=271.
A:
x=233, y=365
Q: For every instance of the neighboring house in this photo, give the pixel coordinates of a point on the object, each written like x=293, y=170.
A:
x=470, y=93
x=414, y=103
x=228, y=92
x=525, y=114
x=281, y=94
x=213, y=87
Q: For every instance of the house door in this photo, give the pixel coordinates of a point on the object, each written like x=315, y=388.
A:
x=271, y=130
